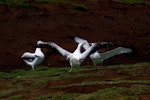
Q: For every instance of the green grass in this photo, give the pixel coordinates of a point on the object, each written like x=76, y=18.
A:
x=32, y=83
x=130, y=1
x=133, y=1
x=8, y=92
x=90, y=83
x=58, y=96
x=17, y=3
x=18, y=97
x=113, y=93
x=127, y=65
x=56, y=72
x=75, y=5
x=116, y=93
x=40, y=71
x=25, y=4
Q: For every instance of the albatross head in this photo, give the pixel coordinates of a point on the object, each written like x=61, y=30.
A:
x=38, y=42
x=83, y=43
x=41, y=44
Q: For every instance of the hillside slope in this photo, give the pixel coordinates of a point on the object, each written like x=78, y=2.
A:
x=105, y=20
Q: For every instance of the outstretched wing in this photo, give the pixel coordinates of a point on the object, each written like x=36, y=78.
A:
x=28, y=56
x=55, y=47
x=95, y=47
x=114, y=52
x=80, y=40
x=60, y=50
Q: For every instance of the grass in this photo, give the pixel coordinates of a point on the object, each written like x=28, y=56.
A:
x=58, y=96
x=127, y=65
x=76, y=5
x=116, y=93
x=130, y=1
x=133, y=1
x=90, y=83
x=27, y=5
x=17, y=3
x=55, y=72
x=36, y=85
x=113, y=93
x=40, y=71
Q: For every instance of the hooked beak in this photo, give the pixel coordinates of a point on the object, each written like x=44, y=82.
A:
x=41, y=44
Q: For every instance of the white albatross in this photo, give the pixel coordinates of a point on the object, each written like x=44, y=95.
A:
x=100, y=57
x=76, y=57
x=33, y=59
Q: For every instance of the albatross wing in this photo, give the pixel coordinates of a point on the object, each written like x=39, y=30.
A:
x=60, y=50
x=28, y=56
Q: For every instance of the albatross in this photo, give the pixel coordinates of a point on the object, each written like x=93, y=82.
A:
x=97, y=57
x=34, y=59
x=76, y=57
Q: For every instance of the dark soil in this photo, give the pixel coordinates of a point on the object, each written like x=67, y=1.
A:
x=124, y=24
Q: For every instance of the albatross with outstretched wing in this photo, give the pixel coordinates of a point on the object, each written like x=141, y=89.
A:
x=100, y=57
x=76, y=57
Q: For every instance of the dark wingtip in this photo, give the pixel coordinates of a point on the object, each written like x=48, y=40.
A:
x=105, y=44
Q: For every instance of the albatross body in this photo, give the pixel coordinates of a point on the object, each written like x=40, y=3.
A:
x=100, y=57
x=76, y=57
x=33, y=59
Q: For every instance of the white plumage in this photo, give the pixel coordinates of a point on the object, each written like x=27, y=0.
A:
x=100, y=57
x=33, y=59
x=76, y=57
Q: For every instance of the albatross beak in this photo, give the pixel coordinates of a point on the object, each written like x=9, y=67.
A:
x=43, y=44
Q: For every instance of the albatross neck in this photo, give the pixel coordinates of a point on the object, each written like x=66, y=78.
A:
x=38, y=50
x=78, y=48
